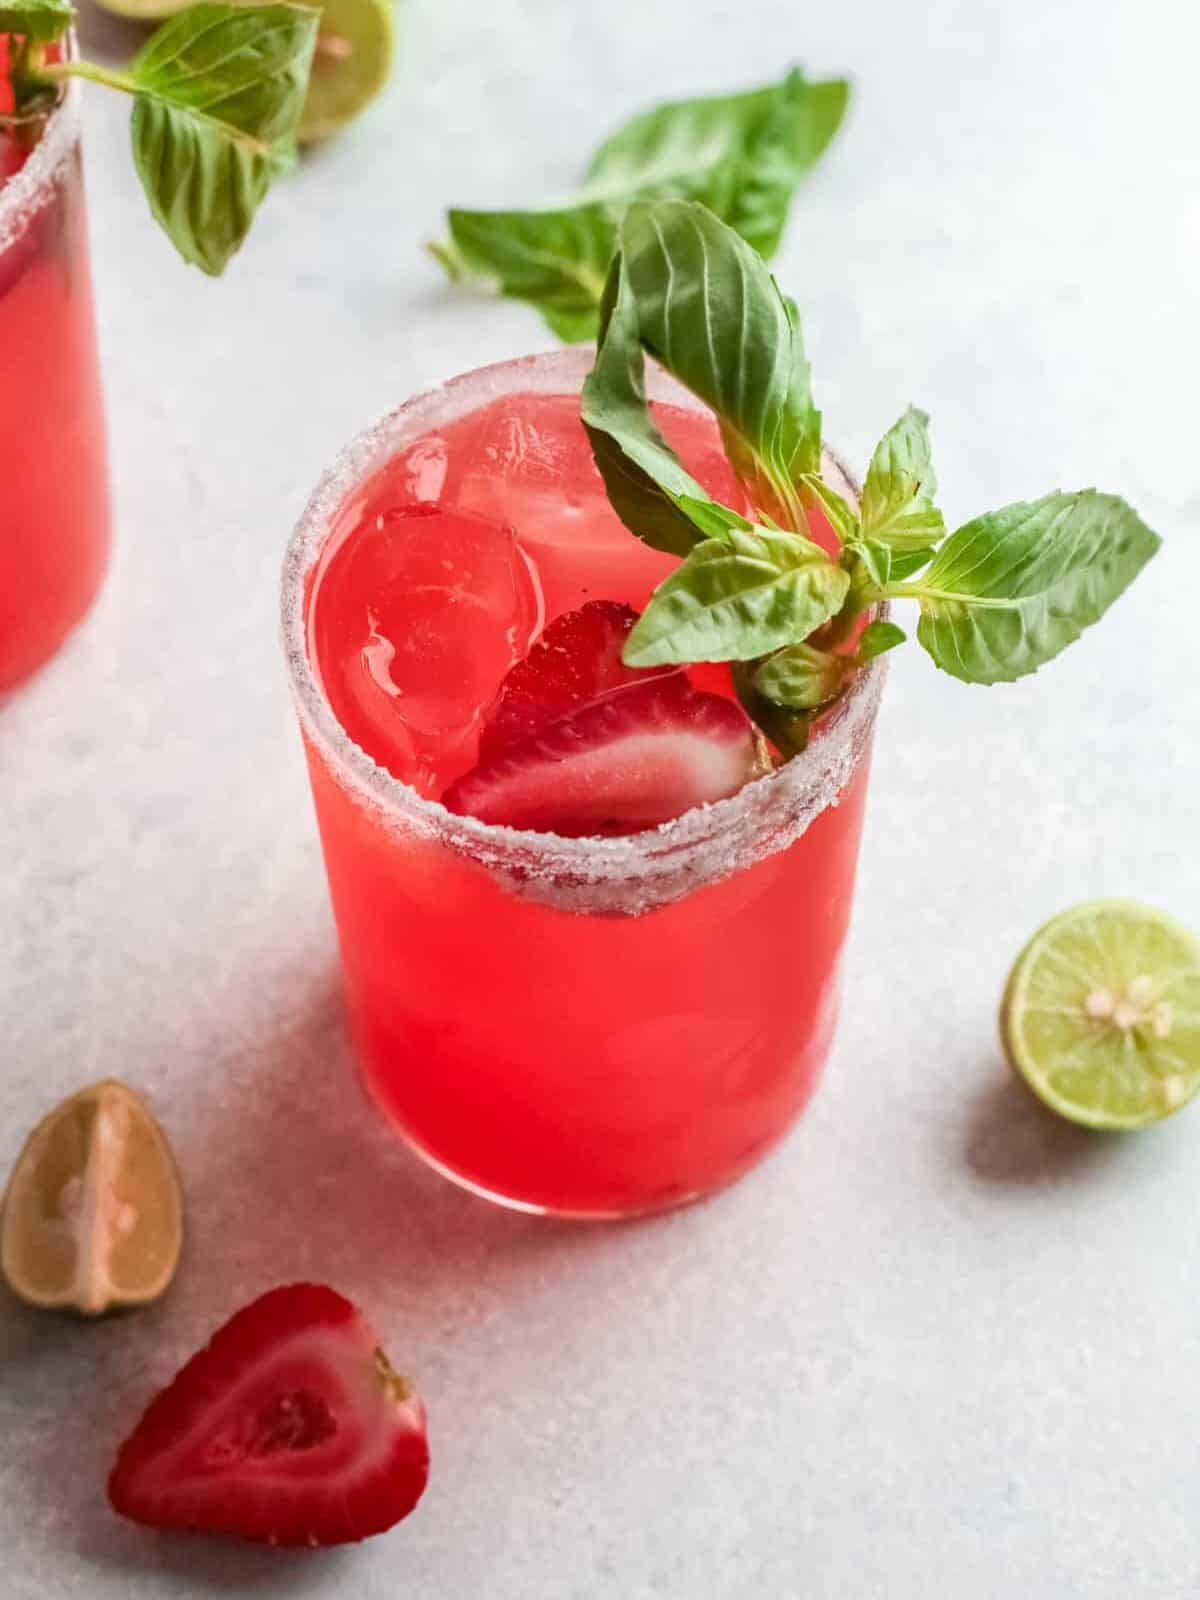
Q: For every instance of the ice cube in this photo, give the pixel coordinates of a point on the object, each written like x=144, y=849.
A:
x=526, y=461
x=417, y=474
x=418, y=615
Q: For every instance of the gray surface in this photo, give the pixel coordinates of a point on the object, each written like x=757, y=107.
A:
x=939, y=1344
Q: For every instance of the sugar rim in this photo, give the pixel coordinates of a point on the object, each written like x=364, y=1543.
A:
x=33, y=187
x=765, y=816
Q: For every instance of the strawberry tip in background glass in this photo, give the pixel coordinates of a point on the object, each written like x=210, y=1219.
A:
x=591, y=934
x=54, y=495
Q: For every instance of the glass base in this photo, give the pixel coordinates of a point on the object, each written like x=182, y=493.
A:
x=635, y=1213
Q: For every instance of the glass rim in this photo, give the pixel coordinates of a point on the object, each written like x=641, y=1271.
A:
x=765, y=815
x=24, y=194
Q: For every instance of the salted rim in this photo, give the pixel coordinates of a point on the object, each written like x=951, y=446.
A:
x=664, y=862
x=33, y=187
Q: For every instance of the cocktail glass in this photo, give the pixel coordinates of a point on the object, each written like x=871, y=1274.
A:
x=584, y=1027
x=54, y=494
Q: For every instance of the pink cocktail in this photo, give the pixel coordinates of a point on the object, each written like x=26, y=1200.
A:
x=54, y=498
x=590, y=1026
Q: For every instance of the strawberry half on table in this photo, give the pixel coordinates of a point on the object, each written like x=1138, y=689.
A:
x=288, y=1428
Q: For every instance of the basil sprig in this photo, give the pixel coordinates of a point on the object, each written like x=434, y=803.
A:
x=217, y=95
x=742, y=155
x=998, y=598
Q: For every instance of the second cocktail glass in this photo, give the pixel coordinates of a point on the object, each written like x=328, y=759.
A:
x=54, y=499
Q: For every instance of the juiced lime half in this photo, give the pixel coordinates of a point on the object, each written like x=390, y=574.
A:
x=1101, y=1015
x=93, y=1216
x=350, y=64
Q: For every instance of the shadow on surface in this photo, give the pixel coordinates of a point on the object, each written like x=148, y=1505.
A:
x=291, y=1174
x=1013, y=1139
x=198, y=1565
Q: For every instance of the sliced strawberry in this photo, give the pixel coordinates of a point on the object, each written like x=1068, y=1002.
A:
x=576, y=662
x=619, y=765
x=289, y=1427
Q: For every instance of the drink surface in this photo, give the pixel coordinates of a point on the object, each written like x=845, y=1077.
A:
x=591, y=1064
x=446, y=567
x=54, y=509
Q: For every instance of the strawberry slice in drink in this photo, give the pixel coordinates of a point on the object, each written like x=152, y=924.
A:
x=577, y=743
x=575, y=663
x=618, y=765
x=288, y=1428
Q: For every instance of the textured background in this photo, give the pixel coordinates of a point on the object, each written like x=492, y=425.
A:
x=939, y=1343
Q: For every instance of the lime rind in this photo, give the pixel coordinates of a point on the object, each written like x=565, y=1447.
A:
x=1101, y=1015
x=351, y=64
x=93, y=1214
x=144, y=10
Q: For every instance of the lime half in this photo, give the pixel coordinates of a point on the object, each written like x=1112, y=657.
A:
x=93, y=1216
x=1101, y=1015
x=350, y=64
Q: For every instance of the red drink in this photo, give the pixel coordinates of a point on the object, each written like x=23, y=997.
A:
x=54, y=507
x=583, y=1026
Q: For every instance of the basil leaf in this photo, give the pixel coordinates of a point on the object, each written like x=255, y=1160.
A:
x=876, y=639
x=556, y=260
x=898, y=493
x=218, y=93
x=736, y=597
x=37, y=21
x=710, y=312
x=897, y=498
x=709, y=518
x=876, y=565
x=802, y=677
x=742, y=155
x=799, y=124
x=902, y=563
x=786, y=729
x=1011, y=589
x=648, y=486
x=816, y=493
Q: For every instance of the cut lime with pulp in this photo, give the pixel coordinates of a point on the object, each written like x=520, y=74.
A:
x=93, y=1216
x=1101, y=1015
x=350, y=64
